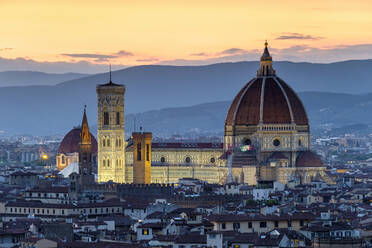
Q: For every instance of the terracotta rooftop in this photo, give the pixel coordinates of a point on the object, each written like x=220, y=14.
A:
x=280, y=104
x=308, y=159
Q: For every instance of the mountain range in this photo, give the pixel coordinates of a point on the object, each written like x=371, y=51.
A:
x=187, y=98
x=29, y=78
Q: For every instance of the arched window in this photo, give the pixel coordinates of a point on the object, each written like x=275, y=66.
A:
x=108, y=141
x=139, y=152
x=117, y=118
x=106, y=118
x=108, y=162
x=247, y=142
x=63, y=159
x=147, y=152
x=104, y=162
x=103, y=142
x=162, y=159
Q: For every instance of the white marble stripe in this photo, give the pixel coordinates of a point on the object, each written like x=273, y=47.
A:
x=240, y=99
x=262, y=99
x=286, y=98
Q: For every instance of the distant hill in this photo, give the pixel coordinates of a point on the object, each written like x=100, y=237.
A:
x=55, y=109
x=28, y=78
x=340, y=113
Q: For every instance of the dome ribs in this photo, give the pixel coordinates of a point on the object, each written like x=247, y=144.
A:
x=275, y=109
x=298, y=109
x=248, y=111
x=231, y=112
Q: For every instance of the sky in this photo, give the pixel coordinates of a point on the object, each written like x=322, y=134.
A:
x=86, y=35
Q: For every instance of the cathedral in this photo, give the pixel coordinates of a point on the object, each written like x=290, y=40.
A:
x=267, y=138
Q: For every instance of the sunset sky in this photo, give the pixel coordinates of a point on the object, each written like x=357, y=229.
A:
x=95, y=32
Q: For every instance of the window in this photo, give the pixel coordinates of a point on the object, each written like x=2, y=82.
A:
x=145, y=231
x=63, y=159
x=108, y=162
x=223, y=225
x=162, y=159
x=249, y=224
x=104, y=162
x=263, y=224
x=289, y=223
x=276, y=223
x=301, y=223
x=103, y=142
x=299, y=142
x=276, y=142
x=236, y=226
x=188, y=160
x=213, y=160
x=117, y=118
x=108, y=142
x=139, y=152
x=247, y=142
x=147, y=152
x=106, y=118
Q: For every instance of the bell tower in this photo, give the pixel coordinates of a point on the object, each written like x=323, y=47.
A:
x=110, y=132
x=142, y=157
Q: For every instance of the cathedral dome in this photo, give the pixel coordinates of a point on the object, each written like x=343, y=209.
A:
x=70, y=142
x=308, y=159
x=267, y=100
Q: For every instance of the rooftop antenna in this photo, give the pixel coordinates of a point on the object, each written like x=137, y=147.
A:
x=134, y=124
x=110, y=72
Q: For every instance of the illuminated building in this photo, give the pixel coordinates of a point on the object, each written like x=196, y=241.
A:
x=142, y=157
x=267, y=130
x=267, y=138
x=110, y=134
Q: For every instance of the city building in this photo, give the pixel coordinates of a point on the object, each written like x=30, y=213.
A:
x=110, y=133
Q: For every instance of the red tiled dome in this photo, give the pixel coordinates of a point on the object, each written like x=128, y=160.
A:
x=70, y=142
x=308, y=159
x=280, y=104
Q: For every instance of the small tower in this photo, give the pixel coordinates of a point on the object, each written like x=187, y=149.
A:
x=142, y=157
x=85, y=177
x=85, y=153
x=110, y=133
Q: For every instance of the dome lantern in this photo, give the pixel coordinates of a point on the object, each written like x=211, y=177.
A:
x=266, y=64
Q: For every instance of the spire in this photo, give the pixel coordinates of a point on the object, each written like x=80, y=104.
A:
x=266, y=63
x=85, y=137
x=110, y=74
